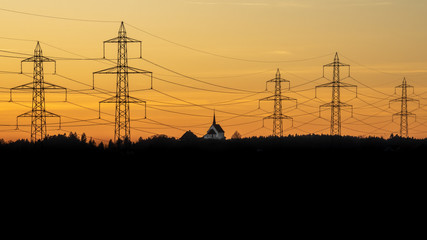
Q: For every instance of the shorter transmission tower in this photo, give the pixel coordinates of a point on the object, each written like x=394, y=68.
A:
x=404, y=114
x=38, y=113
x=277, y=115
x=336, y=104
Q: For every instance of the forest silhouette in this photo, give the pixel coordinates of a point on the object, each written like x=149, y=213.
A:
x=189, y=147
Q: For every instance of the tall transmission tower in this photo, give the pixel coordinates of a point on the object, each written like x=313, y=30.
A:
x=336, y=104
x=38, y=112
x=277, y=115
x=122, y=70
x=404, y=114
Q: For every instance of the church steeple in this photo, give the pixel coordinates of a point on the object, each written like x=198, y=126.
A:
x=215, y=131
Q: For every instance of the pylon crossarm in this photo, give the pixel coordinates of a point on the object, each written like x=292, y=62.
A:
x=134, y=70
x=23, y=86
x=27, y=114
x=413, y=100
x=321, y=86
x=268, y=117
x=278, y=117
x=50, y=114
x=123, y=39
x=347, y=85
x=115, y=70
x=269, y=98
x=39, y=59
x=331, y=104
x=336, y=65
x=323, y=106
x=135, y=100
x=275, y=80
x=348, y=106
x=27, y=86
x=103, y=71
x=50, y=86
x=108, y=100
x=285, y=98
x=108, y=71
x=342, y=84
x=409, y=114
x=285, y=117
x=394, y=100
x=404, y=85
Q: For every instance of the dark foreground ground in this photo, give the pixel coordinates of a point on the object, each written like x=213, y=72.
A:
x=293, y=178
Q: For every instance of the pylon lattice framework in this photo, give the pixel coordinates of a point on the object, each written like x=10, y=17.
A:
x=336, y=104
x=38, y=113
x=122, y=70
x=278, y=115
x=404, y=114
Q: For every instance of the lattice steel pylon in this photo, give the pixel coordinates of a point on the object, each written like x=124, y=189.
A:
x=277, y=115
x=336, y=104
x=38, y=112
x=404, y=114
x=122, y=70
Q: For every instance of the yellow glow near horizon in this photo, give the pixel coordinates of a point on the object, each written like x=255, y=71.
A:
x=382, y=40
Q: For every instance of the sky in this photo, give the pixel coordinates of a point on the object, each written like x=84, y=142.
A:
x=216, y=55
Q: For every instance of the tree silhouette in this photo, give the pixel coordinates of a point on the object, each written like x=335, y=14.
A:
x=236, y=135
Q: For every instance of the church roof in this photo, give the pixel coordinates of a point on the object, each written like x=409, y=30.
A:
x=211, y=131
x=218, y=127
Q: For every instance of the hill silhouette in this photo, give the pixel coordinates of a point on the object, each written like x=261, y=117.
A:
x=269, y=164
x=290, y=148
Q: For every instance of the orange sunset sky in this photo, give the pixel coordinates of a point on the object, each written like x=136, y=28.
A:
x=224, y=52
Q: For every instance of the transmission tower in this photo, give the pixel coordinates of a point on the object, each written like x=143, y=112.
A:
x=277, y=115
x=122, y=70
x=336, y=104
x=38, y=112
x=404, y=114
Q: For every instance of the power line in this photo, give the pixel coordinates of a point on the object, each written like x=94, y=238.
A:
x=373, y=89
x=56, y=17
x=18, y=39
x=158, y=37
x=81, y=58
x=192, y=87
x=219, y=55
x=202, y=106
x=196, y=79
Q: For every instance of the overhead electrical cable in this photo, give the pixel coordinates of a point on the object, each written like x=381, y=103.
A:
x=223, y=56
x=196, y=79
x=57, y=17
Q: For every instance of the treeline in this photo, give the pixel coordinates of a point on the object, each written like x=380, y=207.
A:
x=161, y=147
